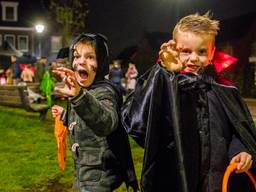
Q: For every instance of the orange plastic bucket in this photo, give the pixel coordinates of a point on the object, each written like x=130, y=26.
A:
x=229, y=170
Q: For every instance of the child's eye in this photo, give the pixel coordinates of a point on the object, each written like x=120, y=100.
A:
x=91, y=57
x=76, y=56
x=202, y=52
x=185, y=52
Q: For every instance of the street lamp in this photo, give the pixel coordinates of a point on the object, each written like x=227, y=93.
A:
x=39, y=29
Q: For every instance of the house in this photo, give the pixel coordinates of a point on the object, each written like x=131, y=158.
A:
x=18, y=19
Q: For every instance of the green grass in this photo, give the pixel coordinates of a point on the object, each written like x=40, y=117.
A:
x=28, y=154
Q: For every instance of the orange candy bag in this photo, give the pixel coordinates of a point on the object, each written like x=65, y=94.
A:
x=229, y=170
x=60, y=132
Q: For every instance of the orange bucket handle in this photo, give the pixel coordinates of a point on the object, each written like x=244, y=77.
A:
x=229, y=170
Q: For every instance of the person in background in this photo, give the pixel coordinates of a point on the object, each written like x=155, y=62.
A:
x=100, y=146
x=131, y=76
x=27, y=74
x=16, y=69
x=115, y=73
x=40, y=68
x=2, y=77
x=9, y=75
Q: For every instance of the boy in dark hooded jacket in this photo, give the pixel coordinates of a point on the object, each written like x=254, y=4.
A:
x=100, y=146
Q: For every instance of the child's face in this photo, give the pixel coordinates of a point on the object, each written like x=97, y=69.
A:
x=195, y=51
x=85, y=64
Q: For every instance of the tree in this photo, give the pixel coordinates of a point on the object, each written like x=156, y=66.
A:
x=71, y=15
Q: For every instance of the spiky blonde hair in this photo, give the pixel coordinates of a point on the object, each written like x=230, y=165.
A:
x=197, y=24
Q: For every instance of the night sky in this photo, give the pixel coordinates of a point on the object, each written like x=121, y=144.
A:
x=124, y=21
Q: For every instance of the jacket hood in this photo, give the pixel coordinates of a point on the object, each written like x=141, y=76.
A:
x=101, y=49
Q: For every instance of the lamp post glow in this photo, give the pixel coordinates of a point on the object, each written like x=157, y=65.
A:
x=39, y=29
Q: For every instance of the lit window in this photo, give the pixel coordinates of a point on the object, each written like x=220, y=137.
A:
x=10, y=38
x=23, y=43
x=56, y=43
x=9, y=11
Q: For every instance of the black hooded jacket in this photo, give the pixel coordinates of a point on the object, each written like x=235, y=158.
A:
x=117, y=140
x=187, y=125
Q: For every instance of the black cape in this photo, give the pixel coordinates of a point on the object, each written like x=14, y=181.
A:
x=152, y=115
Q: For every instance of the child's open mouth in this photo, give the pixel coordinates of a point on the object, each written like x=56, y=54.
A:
x=83, y=74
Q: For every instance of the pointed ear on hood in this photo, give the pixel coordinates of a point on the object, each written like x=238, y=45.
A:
x=101, y=49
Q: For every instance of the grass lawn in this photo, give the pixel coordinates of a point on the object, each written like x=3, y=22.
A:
x=28, y=154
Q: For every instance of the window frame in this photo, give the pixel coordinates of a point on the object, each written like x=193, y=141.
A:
x=13, y=5
x=27, y=45
x=60, y=43
x=11, y=35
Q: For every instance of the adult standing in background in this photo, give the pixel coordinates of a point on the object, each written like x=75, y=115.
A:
x=40, y=69
x=16, y=69
x=115, y=73
x=131, y=76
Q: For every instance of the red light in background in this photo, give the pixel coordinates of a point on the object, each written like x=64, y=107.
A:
x=222, y=60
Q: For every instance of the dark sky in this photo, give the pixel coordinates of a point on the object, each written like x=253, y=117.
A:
x=124, y=21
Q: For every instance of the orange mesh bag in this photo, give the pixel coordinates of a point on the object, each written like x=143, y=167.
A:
x=60, y=132
x=229, y=170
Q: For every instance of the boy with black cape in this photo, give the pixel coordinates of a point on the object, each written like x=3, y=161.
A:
x=190, y=125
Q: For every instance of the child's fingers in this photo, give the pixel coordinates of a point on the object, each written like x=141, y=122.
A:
x=241, y=162
x=245, y=167
x=67, y=80
x=172, y=44
x=248, y=165
x=164, y=46
x=73, y=81
x=234, y=160
x=55, y=112
x=169, y=54
x=65, y=70
x=160, y=52
x=244, y=163
x=169, y=45
x=70, y=82
x=63, y=73
x=60, y=73
x=60, y=90
x=54, y=115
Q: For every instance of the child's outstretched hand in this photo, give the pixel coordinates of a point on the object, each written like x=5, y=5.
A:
x=56, y=111
x=71, y=87
x=169, y=57
x=243, y=160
